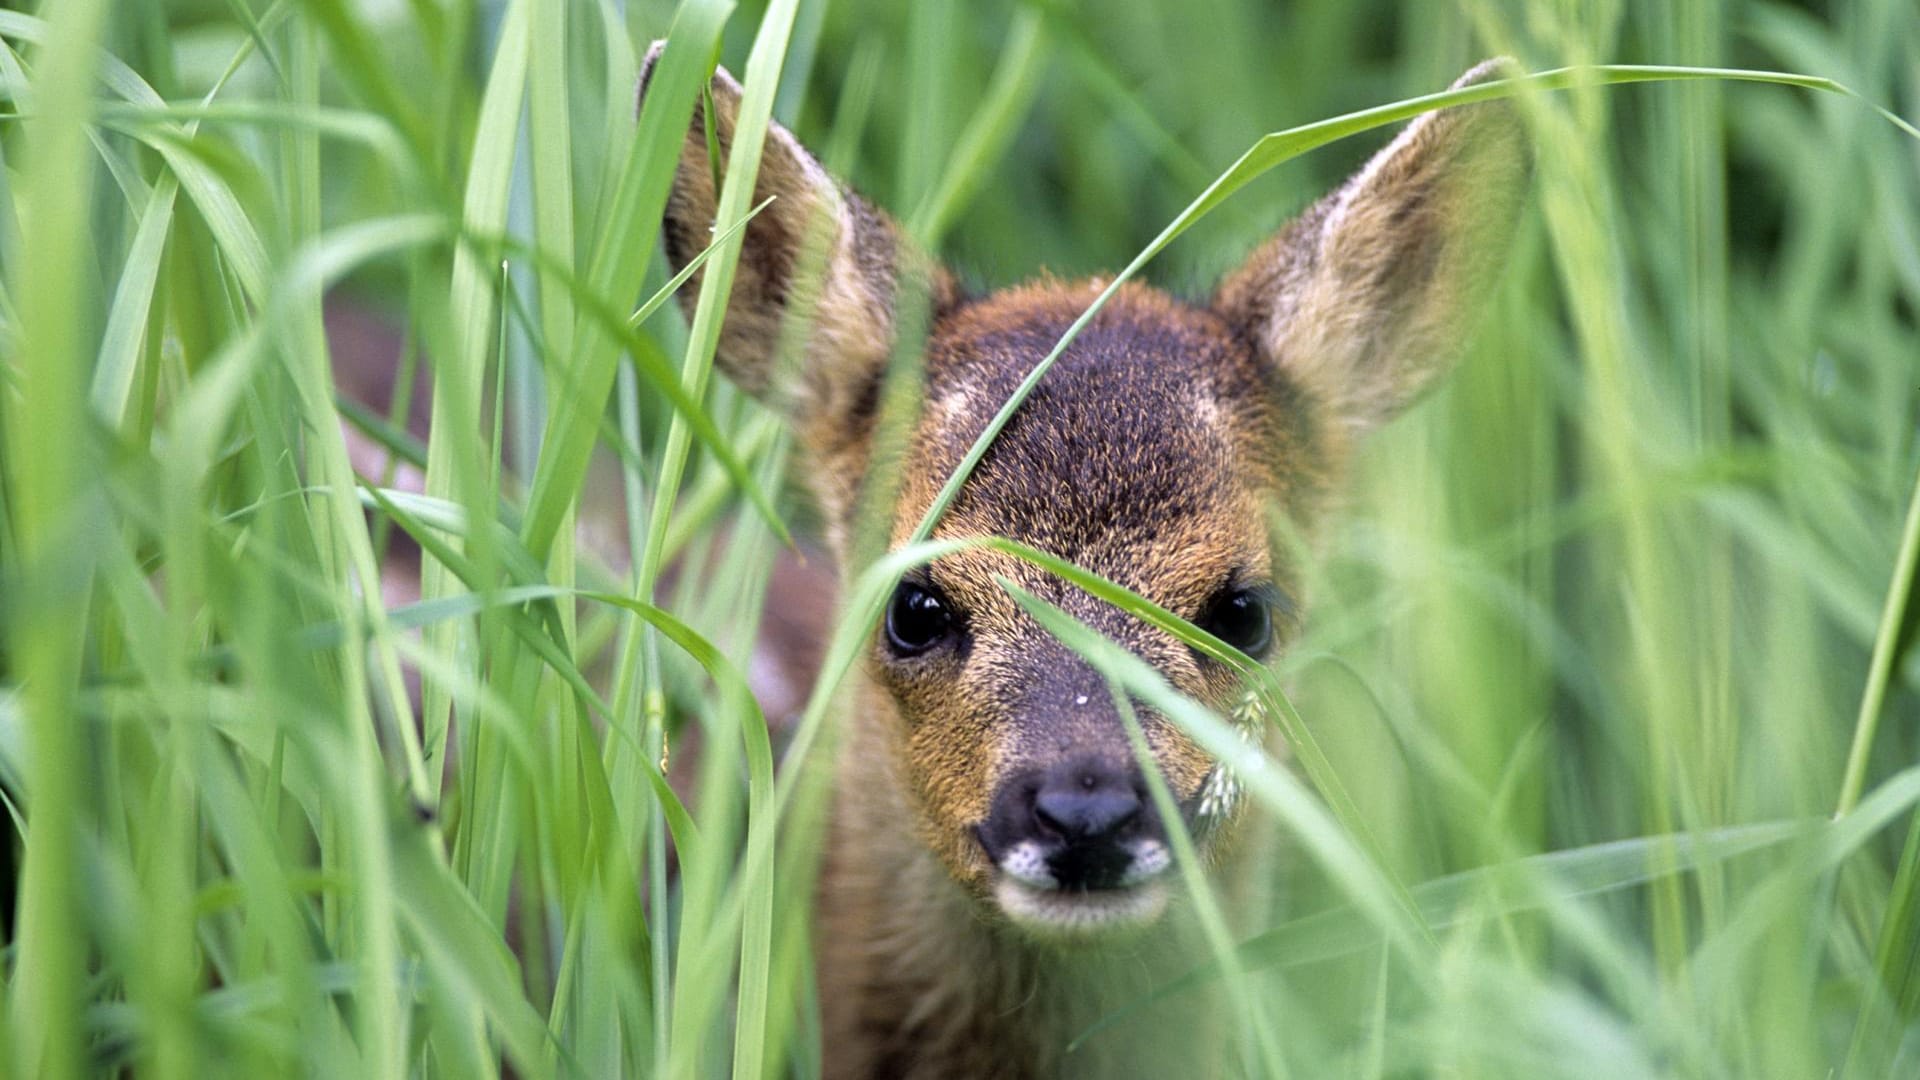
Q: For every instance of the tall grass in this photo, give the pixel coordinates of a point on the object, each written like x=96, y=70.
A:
x=1605, y=717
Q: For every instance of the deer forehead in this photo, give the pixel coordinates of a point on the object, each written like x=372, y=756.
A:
x=1142, y=454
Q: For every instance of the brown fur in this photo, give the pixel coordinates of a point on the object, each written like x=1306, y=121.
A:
x=1150, y=455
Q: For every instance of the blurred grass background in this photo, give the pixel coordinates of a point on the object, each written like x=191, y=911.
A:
x=295, y=290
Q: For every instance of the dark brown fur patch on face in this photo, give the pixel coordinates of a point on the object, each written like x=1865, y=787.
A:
x=1151, y=419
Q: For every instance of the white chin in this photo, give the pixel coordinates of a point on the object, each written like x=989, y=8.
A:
x=1080, y=915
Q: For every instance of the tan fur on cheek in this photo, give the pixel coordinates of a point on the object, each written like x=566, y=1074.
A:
x=951, y=748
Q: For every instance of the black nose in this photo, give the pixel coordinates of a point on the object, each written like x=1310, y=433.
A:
x=1076, y=823
x=1086, y=813
x=1086, y=800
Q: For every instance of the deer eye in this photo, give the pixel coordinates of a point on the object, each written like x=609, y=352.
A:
x=1242, y=618
x=918, y=618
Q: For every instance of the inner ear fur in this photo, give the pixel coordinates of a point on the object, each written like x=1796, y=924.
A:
x=1367, y=298
x=819, y=261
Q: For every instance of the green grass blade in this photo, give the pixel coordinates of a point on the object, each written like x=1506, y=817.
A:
x=1525, y=884
x=986, y=137
x=46, y=628
x=617, y=262
x=1880, y=668
x=1265, y=780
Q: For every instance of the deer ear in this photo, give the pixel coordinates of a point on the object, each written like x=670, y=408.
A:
x=818, y=255
x=1366, y=299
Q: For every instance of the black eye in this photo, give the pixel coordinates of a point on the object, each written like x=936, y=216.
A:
x=1241, y=618
x=918, y=618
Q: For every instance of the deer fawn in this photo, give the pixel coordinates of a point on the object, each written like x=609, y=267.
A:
x=996, y=877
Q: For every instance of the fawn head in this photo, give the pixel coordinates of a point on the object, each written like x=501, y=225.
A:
x=1155, y=453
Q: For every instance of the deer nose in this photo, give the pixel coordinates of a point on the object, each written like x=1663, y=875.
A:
x=1087, y=811
x=1086, y=801
x=1080, y=823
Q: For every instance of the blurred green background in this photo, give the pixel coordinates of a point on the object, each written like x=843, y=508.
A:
x=288, y=794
